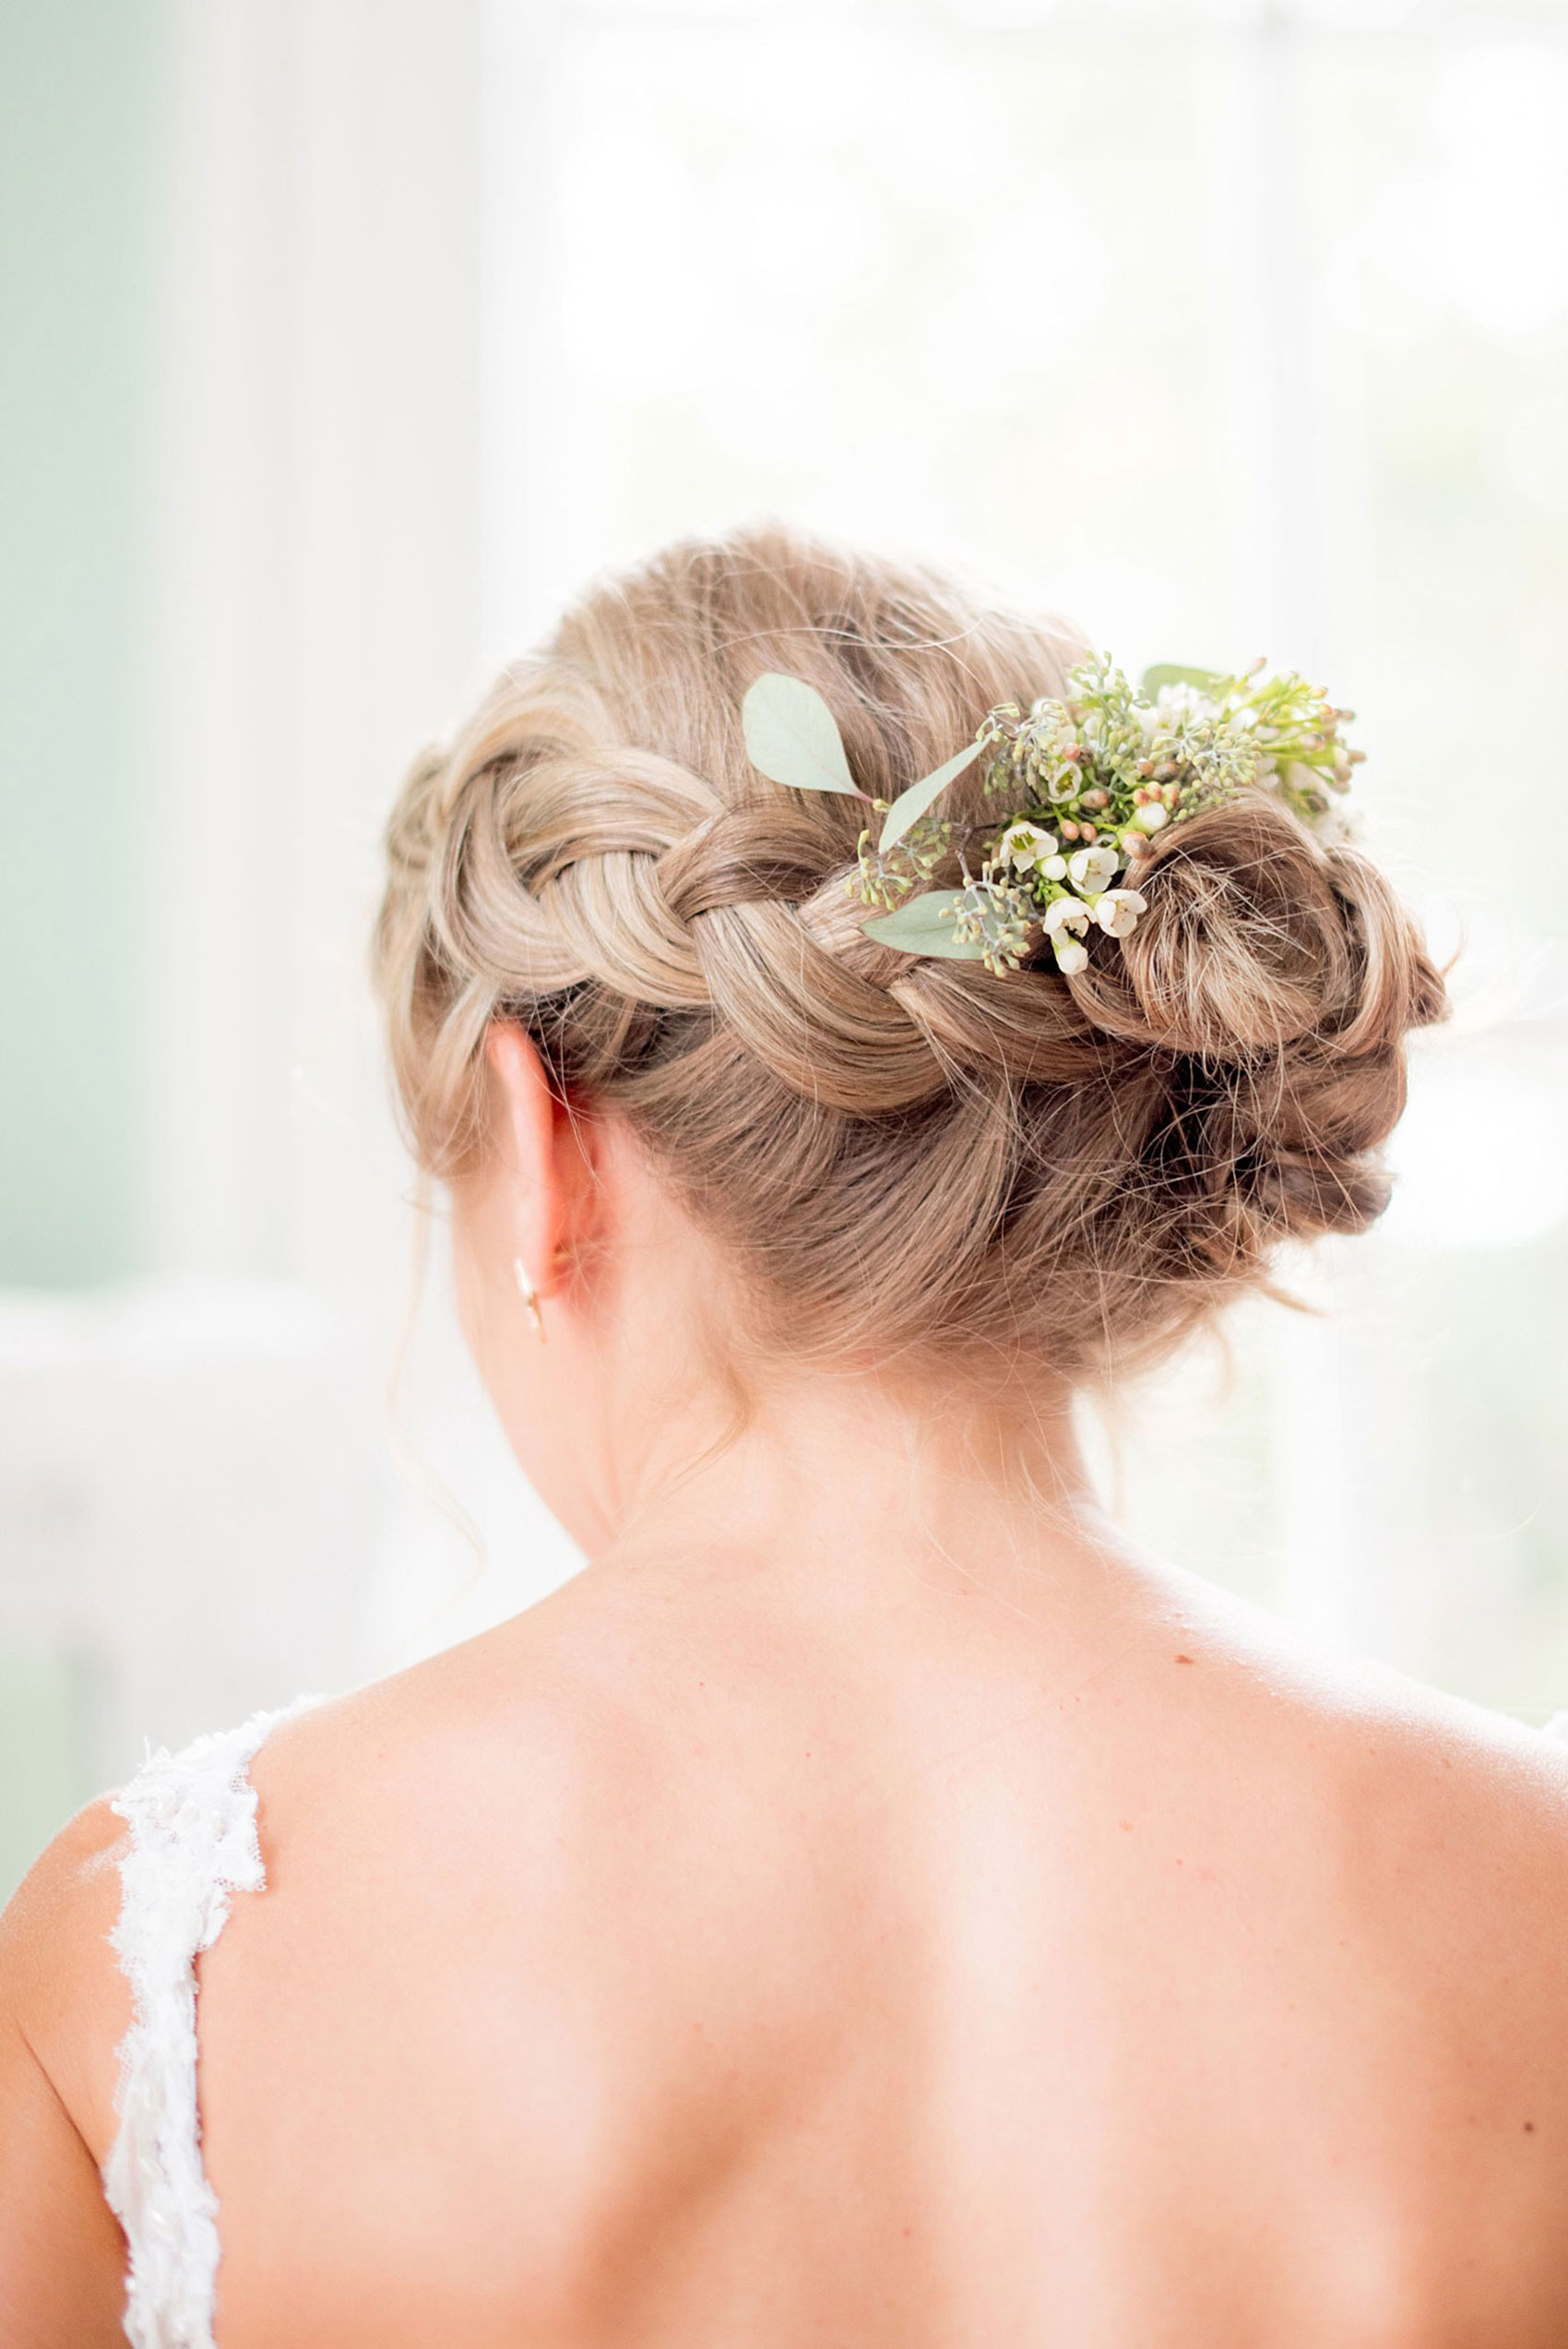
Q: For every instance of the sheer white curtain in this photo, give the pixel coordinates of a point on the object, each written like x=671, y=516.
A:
x=327, y=483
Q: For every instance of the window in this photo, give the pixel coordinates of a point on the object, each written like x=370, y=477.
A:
x=1228, y=329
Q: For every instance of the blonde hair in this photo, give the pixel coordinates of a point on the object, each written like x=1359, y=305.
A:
x=898, y=1153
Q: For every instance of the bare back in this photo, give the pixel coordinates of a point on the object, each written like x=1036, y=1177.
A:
x=657, y=1971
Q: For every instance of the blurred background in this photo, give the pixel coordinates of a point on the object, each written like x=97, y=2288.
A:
x=342, y=339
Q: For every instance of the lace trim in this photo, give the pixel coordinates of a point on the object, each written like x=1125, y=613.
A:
x=193, y=1843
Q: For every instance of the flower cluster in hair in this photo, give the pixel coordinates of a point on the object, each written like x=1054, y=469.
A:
x=1087, y=786
x=1093, y=780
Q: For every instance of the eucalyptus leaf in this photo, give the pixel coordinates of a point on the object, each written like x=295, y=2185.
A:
x=918, y=929
x=910, y=805
x=1171, y=672
x=793, y=736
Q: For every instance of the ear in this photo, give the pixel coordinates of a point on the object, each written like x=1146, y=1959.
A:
x=541, y=1147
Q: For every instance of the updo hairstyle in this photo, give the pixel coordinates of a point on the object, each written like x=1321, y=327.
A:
x=898, y=1155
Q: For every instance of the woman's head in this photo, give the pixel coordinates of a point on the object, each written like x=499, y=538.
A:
x=894, y=1158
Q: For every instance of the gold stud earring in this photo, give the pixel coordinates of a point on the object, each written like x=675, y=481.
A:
x=530, y=1296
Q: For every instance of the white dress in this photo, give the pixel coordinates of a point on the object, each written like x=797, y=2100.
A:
x=193, y=1841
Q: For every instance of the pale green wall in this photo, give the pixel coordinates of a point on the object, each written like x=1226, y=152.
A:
x=45, y=1701
x=78, y=137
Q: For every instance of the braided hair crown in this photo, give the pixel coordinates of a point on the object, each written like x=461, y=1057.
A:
x=896, y=1152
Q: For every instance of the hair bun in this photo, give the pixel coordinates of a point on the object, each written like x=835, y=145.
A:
x=1248, y=944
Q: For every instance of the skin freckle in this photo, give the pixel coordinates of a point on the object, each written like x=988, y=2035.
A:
x=1184, y=1659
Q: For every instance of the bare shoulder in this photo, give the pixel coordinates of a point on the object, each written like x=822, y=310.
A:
x=1465, y=1812
x=75, y=1869
x=64, y=2006
x=514, y=1712
x=461, y=1919
x=1454, y=1816
x=59, y=1985
x=522, y=1765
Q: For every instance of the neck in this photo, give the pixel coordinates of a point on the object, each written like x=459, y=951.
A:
x=844, y=1488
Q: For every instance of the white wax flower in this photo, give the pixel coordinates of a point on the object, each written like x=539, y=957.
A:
x=1025, y=846
x=1070, y=955
x=1093, y=869
x=1117, y=912
x=1066, y=913
x=1151, y=816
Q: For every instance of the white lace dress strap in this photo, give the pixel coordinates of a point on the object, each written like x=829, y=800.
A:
x=193, y=1841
